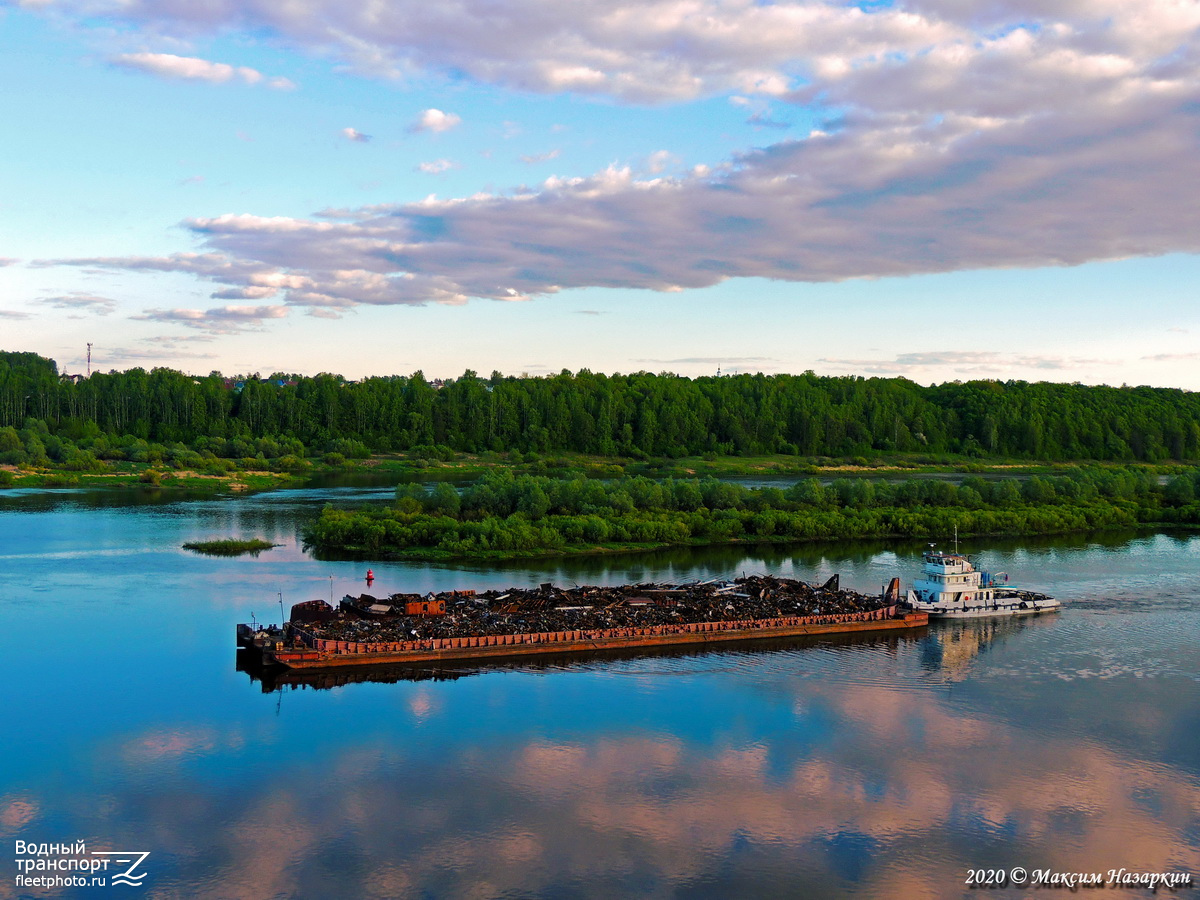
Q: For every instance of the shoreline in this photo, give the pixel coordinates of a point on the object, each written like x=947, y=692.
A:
x=405, y=469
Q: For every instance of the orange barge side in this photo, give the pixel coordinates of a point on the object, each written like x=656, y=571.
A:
x=319, y=653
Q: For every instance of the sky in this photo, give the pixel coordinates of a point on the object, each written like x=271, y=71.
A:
x=934, y=189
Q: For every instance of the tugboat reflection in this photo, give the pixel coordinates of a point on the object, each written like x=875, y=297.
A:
x=950, y=648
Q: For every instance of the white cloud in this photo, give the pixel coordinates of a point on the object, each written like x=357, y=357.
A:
x=437, y=166
x=659, y=160
x=957, y=136
x=221, y=320
x=643, y=51
x=983, y=363
x=13, y=314
x=191, y=68
x=163, y=350
x=763, y=119
x=866, y=202
x=353, y=134
x=535, y=158
x=436, y=121
x=665, y=50
x=712, y=360
x=101, y=306
x=1173, y=357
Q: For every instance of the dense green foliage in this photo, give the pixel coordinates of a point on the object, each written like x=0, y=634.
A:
x=507, y=515
x=125, y=414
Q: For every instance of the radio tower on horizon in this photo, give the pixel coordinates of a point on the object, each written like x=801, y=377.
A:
x=89, y=367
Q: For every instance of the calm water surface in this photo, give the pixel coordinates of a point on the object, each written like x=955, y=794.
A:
x=837, y=768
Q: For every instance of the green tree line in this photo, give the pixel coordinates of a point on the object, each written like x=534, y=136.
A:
x=504, y=514
x=637, y=415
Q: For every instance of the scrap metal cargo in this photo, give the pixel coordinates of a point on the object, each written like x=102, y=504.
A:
x=460, y=625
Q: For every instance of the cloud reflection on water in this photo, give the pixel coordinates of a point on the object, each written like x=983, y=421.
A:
x=871, y=791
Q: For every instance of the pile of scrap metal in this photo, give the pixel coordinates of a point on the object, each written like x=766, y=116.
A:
x=549, y=608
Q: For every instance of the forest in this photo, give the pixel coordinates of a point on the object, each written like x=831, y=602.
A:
x=138, y=414
x=504, y=515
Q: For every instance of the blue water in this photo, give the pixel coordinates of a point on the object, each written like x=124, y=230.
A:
x=839, y=768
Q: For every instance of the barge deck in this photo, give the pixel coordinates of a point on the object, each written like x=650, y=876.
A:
x=461, y=625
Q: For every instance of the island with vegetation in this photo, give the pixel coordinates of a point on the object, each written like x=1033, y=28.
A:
x=230, y=547
x=505, y=516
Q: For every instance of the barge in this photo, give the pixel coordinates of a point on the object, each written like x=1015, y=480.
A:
x=463, y=626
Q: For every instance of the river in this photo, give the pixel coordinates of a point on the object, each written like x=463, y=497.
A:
x=828, y=768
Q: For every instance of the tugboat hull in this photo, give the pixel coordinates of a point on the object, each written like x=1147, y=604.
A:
x=1028, y=608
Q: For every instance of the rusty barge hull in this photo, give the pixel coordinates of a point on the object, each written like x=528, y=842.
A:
x=342, y=654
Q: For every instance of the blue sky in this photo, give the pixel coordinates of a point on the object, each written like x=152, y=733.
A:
x=375, y=188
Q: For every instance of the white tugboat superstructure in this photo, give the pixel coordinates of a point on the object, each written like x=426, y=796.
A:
x=953, y=589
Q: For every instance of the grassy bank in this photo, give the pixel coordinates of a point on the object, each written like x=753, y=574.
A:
x=214, y=474
x=132, y=475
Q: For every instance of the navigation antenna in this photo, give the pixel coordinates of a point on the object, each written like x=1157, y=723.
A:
x=956, y=539
x=89, y=367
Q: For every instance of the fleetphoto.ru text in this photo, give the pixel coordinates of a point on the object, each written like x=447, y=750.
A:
x=42, y=864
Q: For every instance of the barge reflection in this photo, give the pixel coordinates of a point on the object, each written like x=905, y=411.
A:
x=277, y=678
